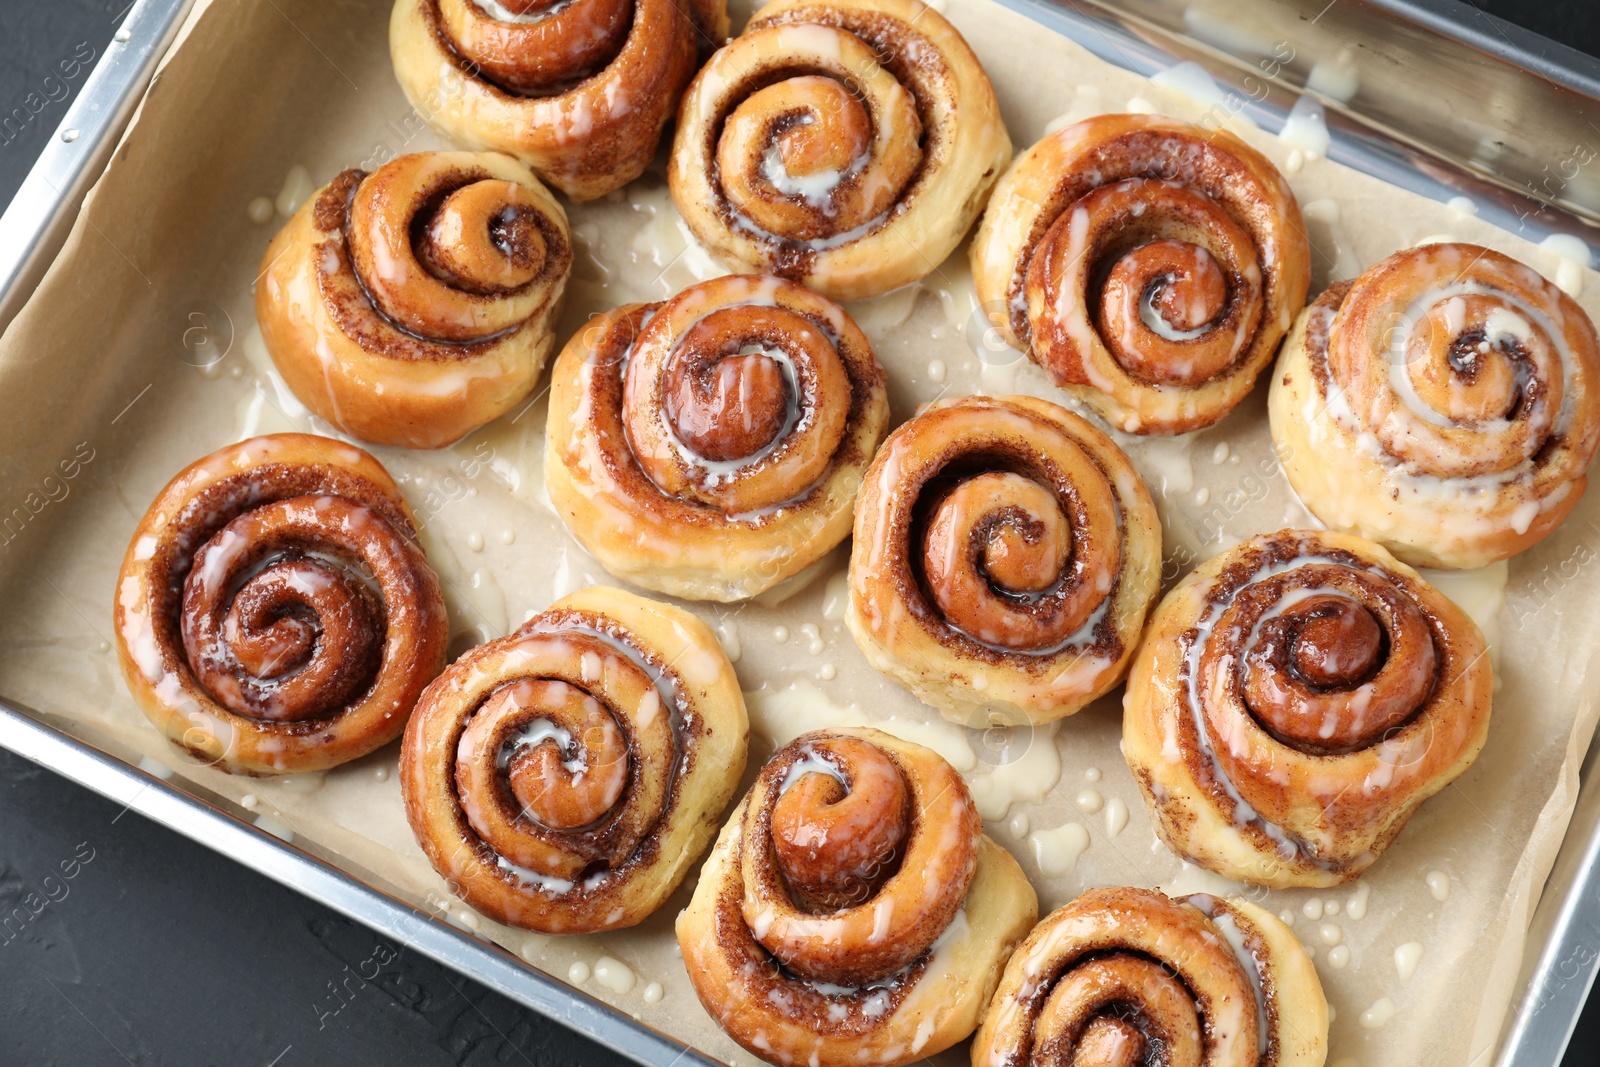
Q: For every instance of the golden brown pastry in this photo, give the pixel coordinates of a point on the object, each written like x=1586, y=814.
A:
x=1005, y=556
x=412, y=305
x=1149, y=266
x=847, y=144
x=564, y=778
x=274, y=612
x=577, y=90
x=1444, y=404
x=1129, y=976
x=1294, y=702
x=852, y=912
x=711, y=446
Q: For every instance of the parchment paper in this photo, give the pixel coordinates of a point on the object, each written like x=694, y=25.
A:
x=101, y=401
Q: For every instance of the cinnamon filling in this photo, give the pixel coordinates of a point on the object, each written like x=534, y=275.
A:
x=836, y=842
x=1122, y=977
x=1171, y=283
x=277, y=621
x=811, y=156
x=735, y=400
x=1462, y=370
x=1017, y=562
x=1119, y=1010
x=1454, y=358
x=854, y=860
x=730, y=409
x=551, y=773
x=450, y=255
x=554, y=45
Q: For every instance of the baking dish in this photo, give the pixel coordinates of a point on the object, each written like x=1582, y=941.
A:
x=1139, y=38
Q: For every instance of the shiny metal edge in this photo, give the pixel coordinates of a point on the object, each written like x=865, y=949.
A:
x=1558, y=978
x=1555, y=981
x=1096, y=27
x=36, y=221
x=280, y=861
x=1504, y=40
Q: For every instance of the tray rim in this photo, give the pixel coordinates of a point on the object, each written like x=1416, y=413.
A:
x=31, y=229
x=26, y=734
x=1559, y=972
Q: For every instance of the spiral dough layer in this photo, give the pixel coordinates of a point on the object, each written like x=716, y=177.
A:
x=848, y=144
x=1149, y=266
x=564, y=778
x=1295, y=701
x=711, y=446
x=412, y=305
x=579, y=90
x=274, y=612
x=1129, y=976
x=852, y=912
x=1005, y=556
x=1443, y=404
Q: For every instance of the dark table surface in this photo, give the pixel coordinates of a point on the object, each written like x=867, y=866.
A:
x=162, y=952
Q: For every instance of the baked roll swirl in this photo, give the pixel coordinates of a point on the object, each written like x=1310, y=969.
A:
x=1149, y=266
x=1445, y=404
x=711, y=446
x=564, y=778
x=412, y=305
x=1005, y=556
x=1294, y=702
x=274, y=612
x=852, y=911
x=847, y=144
x=577, y=90
x=1130, y=976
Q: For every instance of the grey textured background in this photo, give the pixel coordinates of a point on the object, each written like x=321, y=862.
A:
x=162, y=952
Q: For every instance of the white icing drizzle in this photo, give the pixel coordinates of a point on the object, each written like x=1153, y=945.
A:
x=1222, y=916
x=500, y=13
x=1470, y=498
x=1154, y=321
x=1572, y=259
x=796, y=417
x=1192, y=80
x=1382, y=1011
x=810, y=762
x=1057, y=851
x=1019, y=765
x=1307, y=128
x=534, y=734
x=1116, y=816
x=1406, y=959
x=1243, y=813
x=1357, y=908
x=816, y=190
x=614, y=975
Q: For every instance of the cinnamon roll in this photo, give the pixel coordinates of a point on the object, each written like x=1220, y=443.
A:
x=564, y=778
x=711, y=446
x=1445, y=404
x=847, y=144
x=1294, y=702
x=412, y=305
x=852, y=912
x=274, y=612
x=1130, y=976
x=1005, y=556
x=578, y=90
x=1149, y=266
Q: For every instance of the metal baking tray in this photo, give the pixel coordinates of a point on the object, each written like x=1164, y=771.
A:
x=1449, y=101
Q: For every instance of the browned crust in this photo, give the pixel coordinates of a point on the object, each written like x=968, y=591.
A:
x=190, y=512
